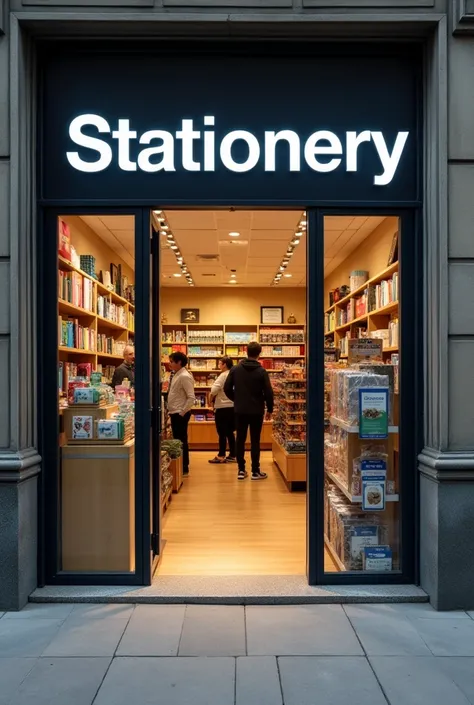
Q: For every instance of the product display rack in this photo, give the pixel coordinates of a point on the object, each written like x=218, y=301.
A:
x=186, y=337
x=289, y=426
x=97, y=340
x=372, y=320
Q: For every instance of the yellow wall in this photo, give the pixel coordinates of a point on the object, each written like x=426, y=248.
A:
x=371, y=255
x=87, y=242
x=224, y=305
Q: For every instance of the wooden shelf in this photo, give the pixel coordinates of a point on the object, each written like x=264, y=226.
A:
x=389, y=308
x=394, y=348
x=71, y=310
x=350, y=323
x=76, y=351
x=354, y=429
x=108, y=355
x=106, y=323
x=373, y=280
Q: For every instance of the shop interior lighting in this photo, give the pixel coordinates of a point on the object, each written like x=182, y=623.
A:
x=164, y=229
x=234, y=234
x=285, y=275
x=294, y=242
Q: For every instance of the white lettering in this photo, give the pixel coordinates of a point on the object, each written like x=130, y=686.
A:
x=323, y=150
x=209, y=145
x=311, y=149
x=166, y=149
x=188, y=134
x=353, y=140
x=123, y=135
x=389, y=161
x=226, y=151
x=271, y=139
x=105, y=151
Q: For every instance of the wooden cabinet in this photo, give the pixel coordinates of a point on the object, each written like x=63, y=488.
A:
x=98, y=507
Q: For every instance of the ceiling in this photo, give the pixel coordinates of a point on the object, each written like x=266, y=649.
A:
x=211, y=253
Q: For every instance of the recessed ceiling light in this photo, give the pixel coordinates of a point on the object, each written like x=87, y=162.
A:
x=178, y=275
x=174, y=247
x=285, y=275
x=234, y=234
x=233, y=276
x=165, y=227
x=157, y=212
x=233, y=281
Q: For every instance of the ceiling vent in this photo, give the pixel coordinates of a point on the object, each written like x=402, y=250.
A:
x=207, y=258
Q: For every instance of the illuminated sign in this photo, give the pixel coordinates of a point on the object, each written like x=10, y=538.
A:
x=154, y=151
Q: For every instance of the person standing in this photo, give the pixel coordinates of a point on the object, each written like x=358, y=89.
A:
x=248, y=386
x=127, y=369
x=224, y=414
x=180, y=402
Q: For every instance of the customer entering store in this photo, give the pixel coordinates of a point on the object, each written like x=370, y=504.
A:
x=224, y=415
x=249, y=387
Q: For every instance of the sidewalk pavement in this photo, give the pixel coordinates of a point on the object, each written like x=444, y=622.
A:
x=402, y=654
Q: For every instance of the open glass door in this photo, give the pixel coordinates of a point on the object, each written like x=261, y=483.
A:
x=155, y=455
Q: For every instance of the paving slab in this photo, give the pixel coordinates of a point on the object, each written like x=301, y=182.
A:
x=26, y=637
x=384, y=632
x=86, y=637
x=447, y=637
x=58, y=681
x=329, y=681
x=153, y=630
x=300, y=630
x=257, y=681
x=414, y=610
x=471, y=614
x=169, y=681
x=37, y=611
x=213, y=630
x=414, y=681
x=461, y=670
x=13, y=672
x=114, y=611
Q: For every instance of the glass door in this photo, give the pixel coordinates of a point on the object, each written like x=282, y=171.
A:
x=155, y=455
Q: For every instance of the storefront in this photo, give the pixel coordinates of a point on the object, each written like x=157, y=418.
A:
x=249, y=129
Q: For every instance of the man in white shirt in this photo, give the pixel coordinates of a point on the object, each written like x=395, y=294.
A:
x=180, y=402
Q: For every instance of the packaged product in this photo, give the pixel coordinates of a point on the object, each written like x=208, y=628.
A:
x=82, y=427
x=86, y=395
x=110, y=429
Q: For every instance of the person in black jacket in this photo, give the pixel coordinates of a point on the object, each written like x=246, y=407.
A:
x=127, y=369
x=248, y=386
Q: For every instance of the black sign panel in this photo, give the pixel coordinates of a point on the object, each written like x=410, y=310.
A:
x=241, y=128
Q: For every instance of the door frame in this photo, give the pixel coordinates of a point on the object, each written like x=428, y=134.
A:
x=411, y=405
x=411, y=376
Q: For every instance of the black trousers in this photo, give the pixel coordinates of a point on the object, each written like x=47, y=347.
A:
x=225, y=426
x=179, y=427
x=243, y=422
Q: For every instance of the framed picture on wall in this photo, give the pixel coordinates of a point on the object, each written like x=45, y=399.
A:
x=189, y=315
x=271, y=315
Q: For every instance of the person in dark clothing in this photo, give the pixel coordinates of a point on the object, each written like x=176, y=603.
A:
x=248, y=386
x=127, y=369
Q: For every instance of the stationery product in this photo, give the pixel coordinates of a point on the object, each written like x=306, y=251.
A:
x=82, y=427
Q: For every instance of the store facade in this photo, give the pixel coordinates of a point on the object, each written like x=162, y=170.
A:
x=218, y=146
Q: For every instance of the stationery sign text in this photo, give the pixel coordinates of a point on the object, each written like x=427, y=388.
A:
x=322, y=151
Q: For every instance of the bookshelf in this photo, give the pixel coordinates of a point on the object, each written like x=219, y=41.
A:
x=94, y=324
x=370, y=309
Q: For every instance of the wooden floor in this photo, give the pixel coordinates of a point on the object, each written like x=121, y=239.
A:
x=217, y=525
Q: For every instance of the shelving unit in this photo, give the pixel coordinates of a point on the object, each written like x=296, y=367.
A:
x=372, y=319
x=289, y=429
x=82, y=332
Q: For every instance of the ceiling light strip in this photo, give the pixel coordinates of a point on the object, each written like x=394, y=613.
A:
x=165, y=230
x=294, y=242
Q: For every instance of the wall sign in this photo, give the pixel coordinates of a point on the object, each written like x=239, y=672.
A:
x=271, y=314
x=373, y=412
x=242, y=127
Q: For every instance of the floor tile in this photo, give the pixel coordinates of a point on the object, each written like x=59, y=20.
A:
x=153, y=630
x=413, y=681
x=329, y=681
x=87, y=637
x=447, y=637
x=42, y=611
x=26, y=637
x=213, y=630
x=74, y=681
x=13, y=671
x=384, y=632
x=461, y=670
x=420, y=610
x=169, y=681
x=300, y=630
x=257, y=681
x=100, y=611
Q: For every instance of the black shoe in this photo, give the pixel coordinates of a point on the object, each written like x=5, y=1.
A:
x=185, y=473
x=231, y=459
x=217, y=461
x=242, y=474
x=259, y=475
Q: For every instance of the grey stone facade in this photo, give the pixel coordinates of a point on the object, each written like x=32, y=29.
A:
x=447, y=463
